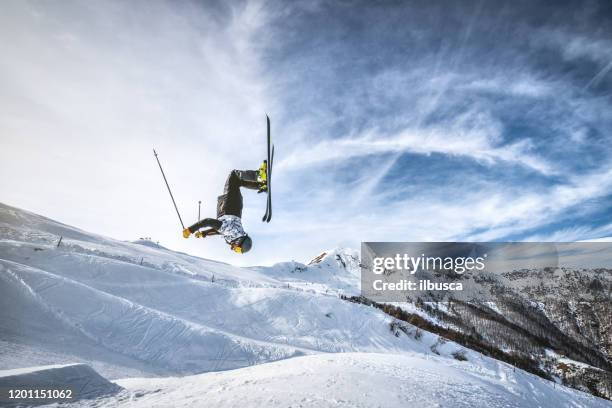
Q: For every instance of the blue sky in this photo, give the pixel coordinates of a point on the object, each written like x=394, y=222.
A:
x=393, y=121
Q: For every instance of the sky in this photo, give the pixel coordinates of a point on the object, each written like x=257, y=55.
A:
x=392, y=121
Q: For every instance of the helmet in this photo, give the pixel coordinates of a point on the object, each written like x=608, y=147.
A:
x=242, y=245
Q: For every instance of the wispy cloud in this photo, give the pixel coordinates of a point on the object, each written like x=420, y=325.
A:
x=391, y=122
x=90, y=88
x=575, y=233
x=474, y=135
x=574, y=46
x=482, y=98
x=600, y=75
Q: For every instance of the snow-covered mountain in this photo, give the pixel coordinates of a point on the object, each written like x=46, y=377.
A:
x=146, y=317
x=553, y=322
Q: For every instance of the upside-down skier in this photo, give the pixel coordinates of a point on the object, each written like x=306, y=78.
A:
x=229, y=205
x=229, y=210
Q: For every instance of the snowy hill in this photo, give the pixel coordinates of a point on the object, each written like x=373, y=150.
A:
x=78, y=379
x=357, y=380
x=127, y=308
x=148, y=242
x=133, y=310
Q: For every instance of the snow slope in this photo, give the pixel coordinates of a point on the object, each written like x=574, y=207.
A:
x=91, y=298
x=133, y=310
x=81, y=379
x=356, y=380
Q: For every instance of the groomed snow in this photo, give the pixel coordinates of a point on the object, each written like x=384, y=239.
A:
x=81, y=379
x=355, y=380
x=262, y=336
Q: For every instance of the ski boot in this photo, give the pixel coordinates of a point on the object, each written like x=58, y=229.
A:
x=262, y=177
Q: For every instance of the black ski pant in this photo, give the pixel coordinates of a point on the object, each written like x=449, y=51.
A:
x=230, y=202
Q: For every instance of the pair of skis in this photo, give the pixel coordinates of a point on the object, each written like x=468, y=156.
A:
x=268, y=215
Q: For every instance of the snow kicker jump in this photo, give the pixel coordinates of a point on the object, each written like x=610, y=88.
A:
x=229, y=204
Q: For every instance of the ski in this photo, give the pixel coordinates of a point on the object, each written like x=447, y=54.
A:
x=269, y=205
x=268, y=215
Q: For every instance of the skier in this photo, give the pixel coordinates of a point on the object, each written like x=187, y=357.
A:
x=229, y=210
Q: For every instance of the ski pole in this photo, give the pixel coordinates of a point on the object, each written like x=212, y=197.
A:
x=199, y=204
x=170, y=191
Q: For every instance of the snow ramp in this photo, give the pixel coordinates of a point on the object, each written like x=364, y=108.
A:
x=80, y=381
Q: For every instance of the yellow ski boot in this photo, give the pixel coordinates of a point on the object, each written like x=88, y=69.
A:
x=262, y=177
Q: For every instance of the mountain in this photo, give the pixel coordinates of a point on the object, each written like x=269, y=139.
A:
x=552, y=322
x=173, y=329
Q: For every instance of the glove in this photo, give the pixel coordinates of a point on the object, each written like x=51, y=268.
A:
x=200, y=234
x=186, y=233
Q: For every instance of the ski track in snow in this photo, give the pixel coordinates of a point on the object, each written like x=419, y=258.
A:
x=349, y=379
x=132, y=310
